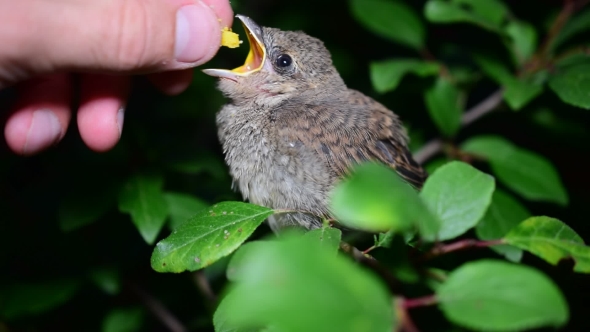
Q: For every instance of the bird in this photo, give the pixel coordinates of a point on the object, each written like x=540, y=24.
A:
x=292, y=129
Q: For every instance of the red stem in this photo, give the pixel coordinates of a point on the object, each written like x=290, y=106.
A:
x=419, y=302
x=442, y=249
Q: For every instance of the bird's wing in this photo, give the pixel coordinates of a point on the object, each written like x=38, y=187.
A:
x=350, y=131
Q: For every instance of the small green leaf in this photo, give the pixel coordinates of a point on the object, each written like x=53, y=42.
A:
x=123, y=320
x=503, y=215
x=328, y=237
x=523, y=40
x=107, y=279
x=26, y=299
x=460, y=195
x=488, y=14
x=392, y=20
x=493, y=295
x=143, y=199
x=375, y=198
x=518, y=92
x=527, y=173
x=572, y=27
x=572, y=85
x=445, y=106
x=281, y=281
x=181, y=207
x=552, y=240
x=386, y=75
x=210, y=235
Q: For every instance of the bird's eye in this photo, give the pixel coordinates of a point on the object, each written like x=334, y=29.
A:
x=284, y=61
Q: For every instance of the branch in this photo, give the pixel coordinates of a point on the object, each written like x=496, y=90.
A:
x=484, y=107
x=203, y=285
x=159, y=310
x=419, y=302
x=443, y=249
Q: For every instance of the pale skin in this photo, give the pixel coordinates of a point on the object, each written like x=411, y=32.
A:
x=47, y=44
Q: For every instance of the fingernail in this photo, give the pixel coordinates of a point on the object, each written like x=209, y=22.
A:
x=197, y=29
x=120, y=119
x=45, y=131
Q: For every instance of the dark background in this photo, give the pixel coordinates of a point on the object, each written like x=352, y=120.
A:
x=177, y=137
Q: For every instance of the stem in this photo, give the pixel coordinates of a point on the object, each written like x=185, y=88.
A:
x=204, y=286
x=482, y=108
x=158, y=309
x=407, y=324
x=443, y=249
x=424, y=301
x=562, y=18
x=373, y=264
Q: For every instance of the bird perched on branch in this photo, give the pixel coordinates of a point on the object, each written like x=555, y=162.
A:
x=292, y=129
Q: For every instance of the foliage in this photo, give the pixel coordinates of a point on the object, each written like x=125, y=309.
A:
x=79, y=228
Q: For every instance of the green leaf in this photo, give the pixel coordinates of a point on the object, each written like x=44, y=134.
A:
x=181, y=207
x=386, y=75
x=210, y=235
x=391, y=20
x=488, y=14
x=375, y=198
x=107, y=279
x=327, y=236
x=573, y=26
x=523, y=40
x=281, y=281
x=527, y=173
x=26, y=299
x=445, y=106
x=503, y=215
x=460, y=195
x=493, y=295
x=518, y=92
x=123, y=320
x=552, y=240
x=143, y=199
x=572, y=84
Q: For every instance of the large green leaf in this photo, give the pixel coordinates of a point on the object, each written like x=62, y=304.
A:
x=525, y=172
x=376, y=199
x=25, y=299
x=459, y=194
x=552, y=240
x=297, y=284
x=494, y=295
x=392, y=20
x=572, y=84
x=143, y=199
x=181, y=207
x=445, y=106
x=327, y=236
x=208, y=236
x=502, y=216
x=518, y=92
x=386, y=75
x=488, y=14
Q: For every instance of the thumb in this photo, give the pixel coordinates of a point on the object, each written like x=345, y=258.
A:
x=133, y=36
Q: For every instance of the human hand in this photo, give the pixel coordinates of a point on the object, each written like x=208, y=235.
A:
x=45, y=42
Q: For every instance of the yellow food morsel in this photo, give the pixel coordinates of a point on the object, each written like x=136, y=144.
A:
x=229, y=39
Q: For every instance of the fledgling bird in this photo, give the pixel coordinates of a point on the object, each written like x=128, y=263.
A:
x=292, y=129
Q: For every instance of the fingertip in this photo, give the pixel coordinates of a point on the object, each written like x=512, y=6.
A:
x=101, y=113
x=173, y=82
x=223, y=10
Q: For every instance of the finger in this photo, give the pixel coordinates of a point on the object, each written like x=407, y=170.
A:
x=172, y=82
x=41, y=114
x=133, y=36
x=102, y=109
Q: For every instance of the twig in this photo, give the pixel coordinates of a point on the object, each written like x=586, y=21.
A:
x=419, y=302
x=158, y=309
x=482, y=108
x=373, y=264
x=442, y=249
x=204, y=286
x=407, y=324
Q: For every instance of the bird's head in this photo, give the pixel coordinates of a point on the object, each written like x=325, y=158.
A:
x=279, y=66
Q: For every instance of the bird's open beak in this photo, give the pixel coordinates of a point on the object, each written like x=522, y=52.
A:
x=255, y=58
